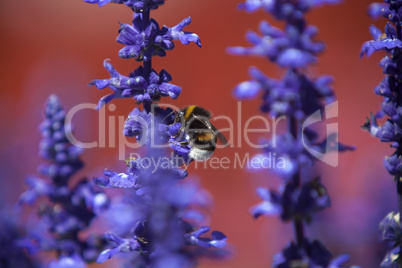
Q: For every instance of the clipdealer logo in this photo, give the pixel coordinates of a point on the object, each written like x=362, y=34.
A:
x=109, y=126
x=240, y=161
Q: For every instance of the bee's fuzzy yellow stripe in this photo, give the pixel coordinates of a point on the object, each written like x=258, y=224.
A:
x=189, y=110
x=205, y=136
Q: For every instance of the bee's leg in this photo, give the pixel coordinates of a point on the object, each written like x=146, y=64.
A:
x=180, y=133
x=185, y=165
x=181, y=143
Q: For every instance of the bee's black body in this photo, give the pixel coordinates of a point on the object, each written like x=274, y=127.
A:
x=203, y=136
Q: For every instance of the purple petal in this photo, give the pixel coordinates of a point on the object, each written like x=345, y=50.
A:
x=68, y=262
x=100, y=83
x=375, y=9
x=130, y=52
x=267, y=29
x=109, y=67
x=107, y=254
x=317, y=3
x=171, y=90
x=104, y=100
x=250, y=5
x=264, y=193
x=101, y=181
x=265, y=208
x=99, y=2
x=253, y=37
x=114, y=238
x=164, y=76
x=367, y=49
x=236, y=50
x=339, y=261
x=375, y=32
x=247, y=90
x=184, y=37
x=201, y=231
x=295, y=58
x=219, y=239
x=386, y=44
x=123, y=180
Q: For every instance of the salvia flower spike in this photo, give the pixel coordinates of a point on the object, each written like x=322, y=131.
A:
x=166, y=207
x=295, y=97
x=390, y=41
x=70, y=209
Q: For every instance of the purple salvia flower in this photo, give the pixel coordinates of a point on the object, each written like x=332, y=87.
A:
x=138, y=124
x=376, y=9
x=136, y=5
x=218, y=239
x=164, y=204
x=71, y=209
x=288, y=49
x=391, y=228
x=312, y=254
x=293, y=203
x=391, y=233
x=136, y=86
x=12, y=232
x=153, y=40
x=139, y=41
x=143, y=40
x=36, y=188
x=177, y=33
x=297, y=98
x=55, y=146
x=120, y=180
x=165, y=207
x=283, y=97
x=391, y=130
x=282, y=9
x=73, y=261
x=121, y=245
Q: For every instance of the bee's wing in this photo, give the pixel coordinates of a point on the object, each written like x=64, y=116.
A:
x=211, y=127
x=220, y=136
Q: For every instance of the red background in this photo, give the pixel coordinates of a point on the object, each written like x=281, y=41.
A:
x=53, y=46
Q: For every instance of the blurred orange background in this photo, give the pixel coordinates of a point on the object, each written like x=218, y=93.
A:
x=54, y=46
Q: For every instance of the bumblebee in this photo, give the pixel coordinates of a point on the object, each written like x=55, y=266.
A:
x=201, y=135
